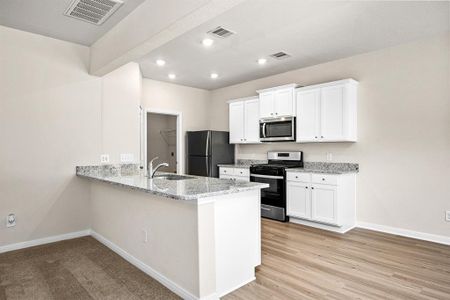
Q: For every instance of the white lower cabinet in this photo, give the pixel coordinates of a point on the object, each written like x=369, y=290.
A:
x=324, y=204
x=239, y=174
x=300, y=204
x=322, y=200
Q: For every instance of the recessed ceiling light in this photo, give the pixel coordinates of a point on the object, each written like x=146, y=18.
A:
x=207, y=42
x=262, y=61
x=160, y=62
x=214, y=75
x=172, y=76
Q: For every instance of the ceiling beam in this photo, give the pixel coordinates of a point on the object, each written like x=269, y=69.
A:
x=149, y=26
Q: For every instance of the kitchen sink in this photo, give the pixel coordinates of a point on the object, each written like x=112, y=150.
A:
x=172, y=177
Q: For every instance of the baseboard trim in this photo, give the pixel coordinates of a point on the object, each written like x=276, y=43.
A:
x=147, y=269
x=342, y=229
x=43, y=241
x=440, y=239
x=237, y=287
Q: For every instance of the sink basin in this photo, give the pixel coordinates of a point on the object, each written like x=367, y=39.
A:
x=172, y=177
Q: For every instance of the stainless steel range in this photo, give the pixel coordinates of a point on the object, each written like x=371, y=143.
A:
x=273, y=198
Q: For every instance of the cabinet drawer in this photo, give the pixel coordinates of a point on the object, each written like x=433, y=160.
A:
x=324, y=179
x=303, y=177
x=242, y=178
x=242, y=172
x=226, y=171
x=224, y=176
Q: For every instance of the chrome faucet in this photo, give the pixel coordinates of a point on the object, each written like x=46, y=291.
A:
x=152, y=170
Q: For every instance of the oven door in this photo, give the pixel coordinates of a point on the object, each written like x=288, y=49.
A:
x=279, y=129
x=273, y=200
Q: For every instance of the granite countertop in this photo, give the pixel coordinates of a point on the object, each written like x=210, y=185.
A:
x=243, y=163
x=326, y=168
x=189, y=189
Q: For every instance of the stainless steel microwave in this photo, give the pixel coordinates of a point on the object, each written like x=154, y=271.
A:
x=280, y=129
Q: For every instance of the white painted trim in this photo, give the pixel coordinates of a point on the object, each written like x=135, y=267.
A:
x=243, y=99
x=179, y=115
x=146, y=268
x=342, y=229
x=326, y=84
x=237, y=287
x=406, y=233
x=281, y=87
x=43, y=241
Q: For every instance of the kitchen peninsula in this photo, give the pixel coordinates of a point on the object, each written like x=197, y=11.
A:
x=198, y=236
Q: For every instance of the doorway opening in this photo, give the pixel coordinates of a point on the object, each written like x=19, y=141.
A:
x=162, y=136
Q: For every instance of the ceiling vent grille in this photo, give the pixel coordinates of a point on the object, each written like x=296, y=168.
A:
x=221, y=32
x=93, y=11
x=280, y=55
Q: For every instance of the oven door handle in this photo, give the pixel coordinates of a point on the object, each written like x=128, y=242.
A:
x=266, y=176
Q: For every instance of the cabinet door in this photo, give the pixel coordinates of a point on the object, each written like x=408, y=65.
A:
x=284, y=103
x=251, y=121
x=308, y=115
x=236, y=122
x=332, y=113
x=324, y=204
x=266, y=109
x=298, y=200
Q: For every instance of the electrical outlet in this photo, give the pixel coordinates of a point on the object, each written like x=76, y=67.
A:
x=144, y=236
x=11, y=220
x=104, y=158
x=126, y=158
x=329, y=156
x=447, y=216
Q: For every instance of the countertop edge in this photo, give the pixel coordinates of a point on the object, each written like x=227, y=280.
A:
x=194, y=198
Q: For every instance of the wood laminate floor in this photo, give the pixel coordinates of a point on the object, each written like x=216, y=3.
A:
x=300, y=262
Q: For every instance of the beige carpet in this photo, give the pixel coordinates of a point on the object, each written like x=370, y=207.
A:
x=75, y=269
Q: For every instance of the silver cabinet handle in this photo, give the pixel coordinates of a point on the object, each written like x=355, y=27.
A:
x=264, y=208
x=323, y=179
x=266, y=176
x=306, y=187
x=322, y=136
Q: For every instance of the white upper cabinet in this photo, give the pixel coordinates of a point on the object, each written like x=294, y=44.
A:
x=236, y=122
x=277, y=101
x=251, y=121
x=327, y=112
x=308, y=115
x=244, y=120
x=266, y=106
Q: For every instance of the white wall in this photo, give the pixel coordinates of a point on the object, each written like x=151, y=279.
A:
x=50, y=121
x=403, y=143
x=191, y=102
x=120, y=112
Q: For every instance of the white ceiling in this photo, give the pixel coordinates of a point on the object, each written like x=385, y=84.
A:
x=46, y=17
x=312, y=32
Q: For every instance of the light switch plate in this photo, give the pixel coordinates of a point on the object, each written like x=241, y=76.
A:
x=447, y=216
x=329, y=156
x=126, y=158
x=104, y=158
x=11, y=220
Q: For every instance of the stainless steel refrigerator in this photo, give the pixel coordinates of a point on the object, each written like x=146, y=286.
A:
x=206, y=149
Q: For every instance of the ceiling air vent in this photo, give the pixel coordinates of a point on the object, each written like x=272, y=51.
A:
x=280, y=55
x=93, y=11
x=221, y=32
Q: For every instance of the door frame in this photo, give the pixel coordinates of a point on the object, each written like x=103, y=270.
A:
x=179, y=116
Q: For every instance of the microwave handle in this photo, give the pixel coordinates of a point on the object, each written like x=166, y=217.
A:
x=264, y=130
